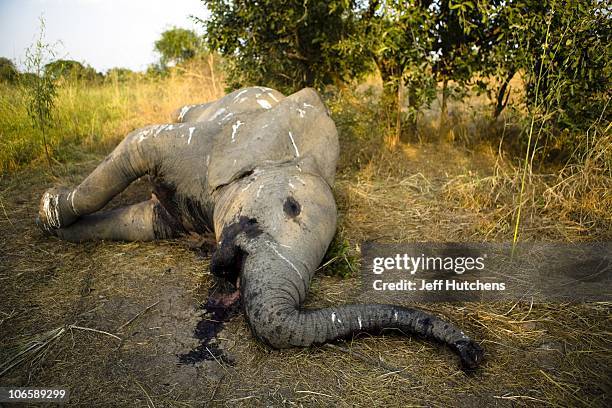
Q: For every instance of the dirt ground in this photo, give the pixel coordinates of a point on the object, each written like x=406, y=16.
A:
x=149, y=296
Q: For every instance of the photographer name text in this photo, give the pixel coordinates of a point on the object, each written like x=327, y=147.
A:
x=437, y=285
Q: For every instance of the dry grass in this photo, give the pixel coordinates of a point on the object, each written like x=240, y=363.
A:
x=537, y=354
x=573, y=204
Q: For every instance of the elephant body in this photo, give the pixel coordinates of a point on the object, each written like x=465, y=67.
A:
x=256, y=168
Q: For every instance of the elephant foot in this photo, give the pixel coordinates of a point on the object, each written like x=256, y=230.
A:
x=45, y=228
x=55, y=209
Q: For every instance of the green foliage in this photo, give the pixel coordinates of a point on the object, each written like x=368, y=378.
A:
x=398, y=37
x=41, y=91
x=70, y=70
x=8, y=71
x=120, y=74
x=339, y=260
x=417, y=43
x=178, y=45
x=156, y=71
x=564, y=49
x=286, y=44
x=462, y=33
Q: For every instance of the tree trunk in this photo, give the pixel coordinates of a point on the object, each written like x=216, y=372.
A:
x=413, y=109
x=390, y=102
x=503, y=94
x=211, y=66
x=390, y=109
x=443, y=127
x=44, y=137
x=398, y=119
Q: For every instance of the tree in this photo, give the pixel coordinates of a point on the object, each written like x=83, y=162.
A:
x=71, y=71
x=120, y=74
x=565, y=51
x=464, y=33
x=41, y=90
x=178, y=45
x=286, y=44
x=398, y=36
x=156, y=71
x=8, y=71
x=418, y=43
x=562, y=50
x=501, y=57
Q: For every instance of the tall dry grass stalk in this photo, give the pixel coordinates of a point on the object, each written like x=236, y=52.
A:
x=526, y=164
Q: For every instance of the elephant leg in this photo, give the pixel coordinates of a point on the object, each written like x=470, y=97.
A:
x=145, y=221
x=189, y=113
x=131, y=159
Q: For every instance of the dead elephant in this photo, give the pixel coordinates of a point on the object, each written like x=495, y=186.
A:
x=256, y=168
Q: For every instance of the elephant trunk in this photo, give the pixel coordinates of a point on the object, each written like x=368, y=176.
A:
x=274, y=227
x=274, y=285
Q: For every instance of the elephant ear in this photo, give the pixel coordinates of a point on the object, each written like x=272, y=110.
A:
x=318, y=136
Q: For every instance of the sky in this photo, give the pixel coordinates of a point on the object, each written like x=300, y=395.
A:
x=101, y=33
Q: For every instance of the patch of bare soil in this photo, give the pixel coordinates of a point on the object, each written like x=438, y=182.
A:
x=149, y=296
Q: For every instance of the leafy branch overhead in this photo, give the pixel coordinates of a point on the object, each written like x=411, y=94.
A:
x=286, y=44
x=423, y=48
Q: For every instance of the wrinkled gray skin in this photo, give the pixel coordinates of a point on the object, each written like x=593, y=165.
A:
x=256, y=168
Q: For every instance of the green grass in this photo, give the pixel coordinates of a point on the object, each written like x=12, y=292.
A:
x=84, y=116
x=92, y=117
x=340, y=259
